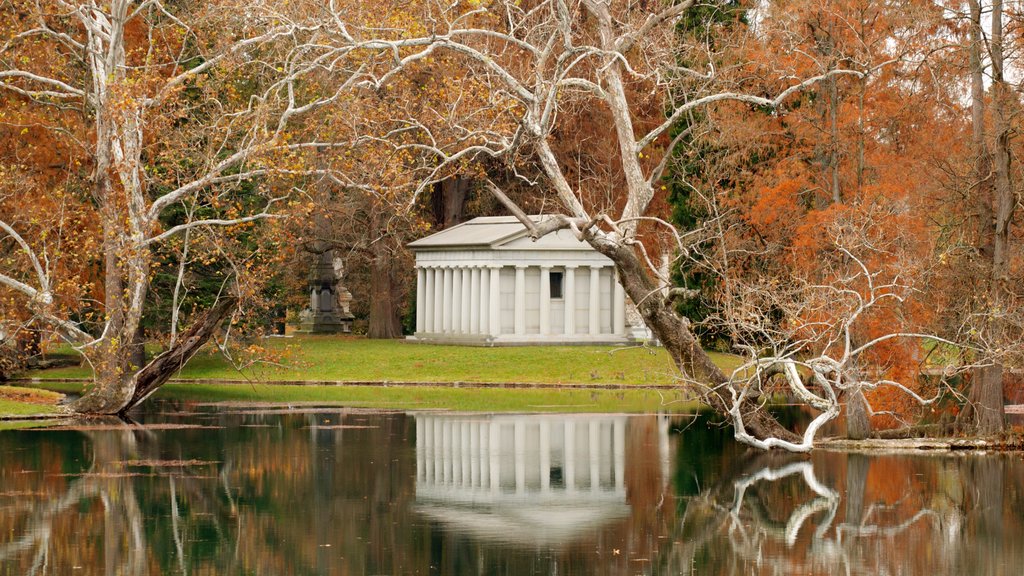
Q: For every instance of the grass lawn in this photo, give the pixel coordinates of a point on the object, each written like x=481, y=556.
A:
x=337, y=360
x=351, y=359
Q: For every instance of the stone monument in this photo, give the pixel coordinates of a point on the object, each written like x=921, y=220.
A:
x=330, y=302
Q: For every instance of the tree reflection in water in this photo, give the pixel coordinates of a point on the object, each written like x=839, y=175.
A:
x=348, y=492
x=779, y=514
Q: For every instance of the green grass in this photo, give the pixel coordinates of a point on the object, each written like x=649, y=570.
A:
x=342, y=359
x=426, y=398
x=348, y=359
x=12, y=408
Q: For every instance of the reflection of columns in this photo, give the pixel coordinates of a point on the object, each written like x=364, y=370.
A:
x=545, y=455
x=519, y=448
x=465, y=298
x=474, y=301
x=445, y=476
x=485, y=453
x=570, y=300
x=619, y=447
x=422, y=449
x=594, y=450
x=428, y=301
x=545, y=299
x=495, y=301
x=569, y=456
x=494, y=443
x=618, y=306
x=456, y=298
x=595, y=301
x=464, y=454
x=421, y=298
x=474, y=454
x=435, y=436
x=520, y=301
x=446, y=301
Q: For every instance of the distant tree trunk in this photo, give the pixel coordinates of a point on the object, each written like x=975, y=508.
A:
x=858, y=423
x=385, y=307
x=449, y=201
x=994, y=199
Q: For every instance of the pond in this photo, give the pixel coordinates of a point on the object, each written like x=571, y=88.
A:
x=264, y=490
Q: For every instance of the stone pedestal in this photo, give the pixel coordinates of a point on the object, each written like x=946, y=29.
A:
x=329, y=300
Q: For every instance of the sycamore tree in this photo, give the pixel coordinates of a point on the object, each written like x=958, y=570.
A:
x=119, y=113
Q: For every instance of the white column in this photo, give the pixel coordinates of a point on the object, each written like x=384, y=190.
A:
x=466, y=300
x=545, y=300
x=618, y=307
x=520, y=301
x=485, y=301
x=421, y=298
x=570, y=300
x=595, y=300
x=456, y=296
x=446, y=301
x=474, y=301
x=428, y=302
x=438, y=300
x=495, y=301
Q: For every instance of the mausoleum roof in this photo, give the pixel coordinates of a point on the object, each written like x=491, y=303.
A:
x=495, y=233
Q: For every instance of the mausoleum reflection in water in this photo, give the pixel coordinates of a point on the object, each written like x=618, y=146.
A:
x=531, y=479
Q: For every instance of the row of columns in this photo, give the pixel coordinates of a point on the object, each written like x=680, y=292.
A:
x=464, y=300
x=467, y=300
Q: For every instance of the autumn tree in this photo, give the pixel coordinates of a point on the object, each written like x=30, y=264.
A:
x=155, y=106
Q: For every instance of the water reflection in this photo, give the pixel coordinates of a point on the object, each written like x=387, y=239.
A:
x=349, y=492
x=526, y=479
x=858, y=514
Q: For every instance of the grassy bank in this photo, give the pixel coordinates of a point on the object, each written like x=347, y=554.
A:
x=26, y=402
x=340, y=360
x=349, y=359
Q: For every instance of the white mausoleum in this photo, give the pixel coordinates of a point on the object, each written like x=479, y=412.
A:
x=486, y=282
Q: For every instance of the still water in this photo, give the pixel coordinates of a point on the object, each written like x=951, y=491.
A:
x=247, y=490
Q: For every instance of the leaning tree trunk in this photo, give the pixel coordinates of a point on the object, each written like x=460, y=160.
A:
x=682, y=345
x=107, y=399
